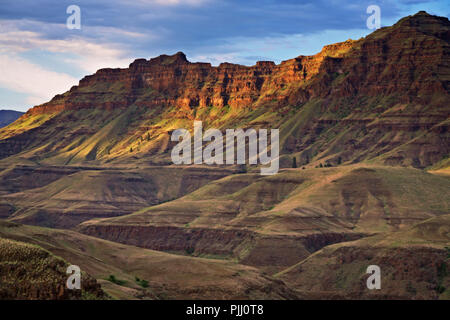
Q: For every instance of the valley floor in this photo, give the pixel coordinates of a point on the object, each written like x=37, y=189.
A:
x=300, y=234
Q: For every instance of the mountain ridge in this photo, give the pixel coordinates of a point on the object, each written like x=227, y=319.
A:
x=389, y=89
x=335, y=50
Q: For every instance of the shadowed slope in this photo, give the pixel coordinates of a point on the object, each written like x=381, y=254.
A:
x=414, y=264
x=168, y=276
x=271, y=221
x=80, y=194
x=8, y=116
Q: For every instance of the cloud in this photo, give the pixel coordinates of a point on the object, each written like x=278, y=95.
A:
x=39, y=84
x=88, y=54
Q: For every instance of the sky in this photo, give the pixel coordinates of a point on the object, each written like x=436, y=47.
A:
x=41, y=57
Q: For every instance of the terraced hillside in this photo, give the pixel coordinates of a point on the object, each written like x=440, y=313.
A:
x=66, y=196
x=414, y=265
x=364, y=177
x=270, y=222
x=137, y=273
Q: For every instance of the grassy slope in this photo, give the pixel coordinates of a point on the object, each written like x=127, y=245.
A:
x=96, y=193
x=414, y=264
x=367, y=198
x=27, y=271
x=169, y=276
x=270, y=221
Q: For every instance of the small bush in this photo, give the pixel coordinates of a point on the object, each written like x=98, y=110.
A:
x=242, y=169
x=440, y=289
x=143, y=283
x=112, y=278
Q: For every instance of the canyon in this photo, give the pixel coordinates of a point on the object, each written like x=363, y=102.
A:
x=88, y=176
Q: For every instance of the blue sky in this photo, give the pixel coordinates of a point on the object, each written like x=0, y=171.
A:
x=41, y=57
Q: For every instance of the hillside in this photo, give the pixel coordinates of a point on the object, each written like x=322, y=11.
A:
x=30, y=272
x=414, y=264
x=364, y=177
x=167, y=276
x=270, y=222
x=382, y=98
x=65, y=197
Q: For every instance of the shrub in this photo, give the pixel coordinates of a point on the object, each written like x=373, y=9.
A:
x=242, y=169
x=440, y=289
x=112, y=278
x=143, y=283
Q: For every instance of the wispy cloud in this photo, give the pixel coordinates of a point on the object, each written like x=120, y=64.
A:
x=39, y=84
x=90, y=52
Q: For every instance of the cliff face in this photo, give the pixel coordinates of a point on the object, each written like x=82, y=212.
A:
x=176, y=81
x=383, y=97
x=411, y=57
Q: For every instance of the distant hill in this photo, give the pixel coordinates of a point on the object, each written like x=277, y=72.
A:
x=8, y=116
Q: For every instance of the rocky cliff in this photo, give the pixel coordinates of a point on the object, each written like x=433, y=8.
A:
x=383, y=98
